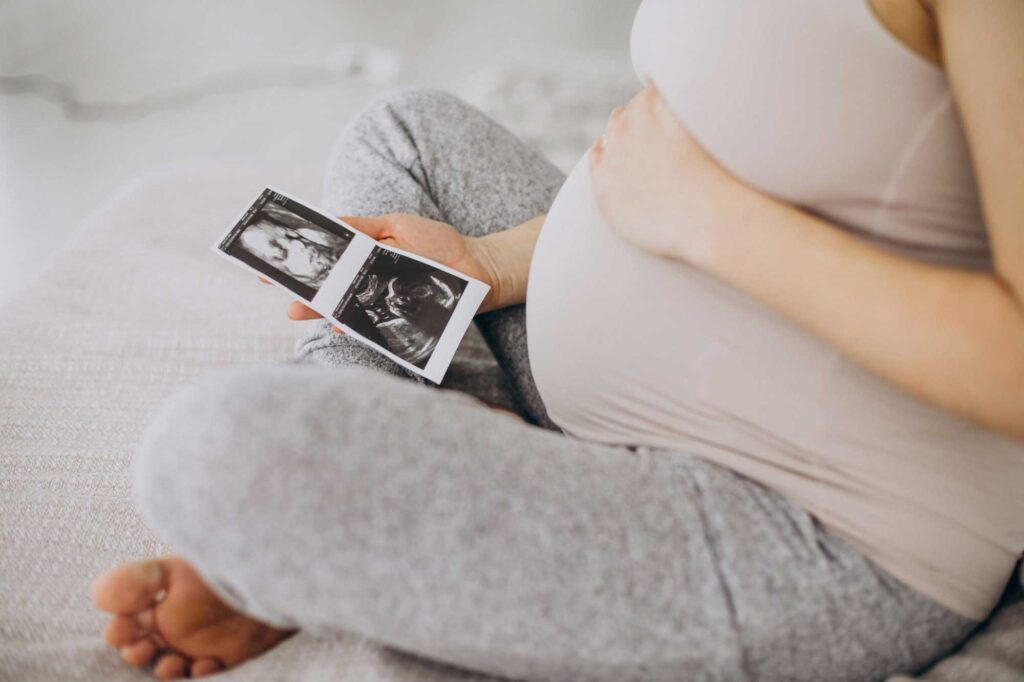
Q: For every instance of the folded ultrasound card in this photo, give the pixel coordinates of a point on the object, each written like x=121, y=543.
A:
x=411, y=309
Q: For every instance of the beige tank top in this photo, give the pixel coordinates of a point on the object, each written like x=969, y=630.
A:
x=816, y=103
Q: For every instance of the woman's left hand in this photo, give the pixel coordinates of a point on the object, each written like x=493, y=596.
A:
x=657, y=187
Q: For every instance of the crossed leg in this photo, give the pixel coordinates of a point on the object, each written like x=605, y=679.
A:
x=347, y=500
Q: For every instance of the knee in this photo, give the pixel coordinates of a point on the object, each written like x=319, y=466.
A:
x=379, y=145
x=219, y=453
x=409, y=114
x=417, y=105
x=204, y=451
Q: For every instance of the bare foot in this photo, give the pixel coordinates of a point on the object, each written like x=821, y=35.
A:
x=165, y=615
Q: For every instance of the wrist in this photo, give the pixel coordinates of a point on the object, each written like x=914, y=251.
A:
x=725, y=232
x=504, y=259
x=746, y=249
x=481, y=252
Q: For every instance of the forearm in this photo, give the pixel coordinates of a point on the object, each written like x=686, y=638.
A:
x=952, y=337
x=506, y=257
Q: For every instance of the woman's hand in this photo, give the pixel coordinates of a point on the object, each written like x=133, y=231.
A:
x=424, y=237
x=657, y=187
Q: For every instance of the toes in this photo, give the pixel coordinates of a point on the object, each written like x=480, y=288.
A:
x=206, y=666
x=121, y=631
x=145, y=620
x=140, y=653
x=130, y=588
x=170, y=667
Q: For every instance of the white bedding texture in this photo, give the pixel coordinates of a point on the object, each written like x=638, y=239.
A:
x=134, y=307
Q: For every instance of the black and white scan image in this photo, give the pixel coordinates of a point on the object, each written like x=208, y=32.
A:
x=412, y=309
x=288, y=242
x=401, y=304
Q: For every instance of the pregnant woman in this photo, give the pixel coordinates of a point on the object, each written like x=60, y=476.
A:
x=769, y=418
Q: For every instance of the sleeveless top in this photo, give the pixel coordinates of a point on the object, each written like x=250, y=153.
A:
x=816, y=103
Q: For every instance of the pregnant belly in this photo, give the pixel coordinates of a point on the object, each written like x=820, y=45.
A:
x=631, y=348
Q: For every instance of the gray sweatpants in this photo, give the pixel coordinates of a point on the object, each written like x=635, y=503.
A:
x=332, y=497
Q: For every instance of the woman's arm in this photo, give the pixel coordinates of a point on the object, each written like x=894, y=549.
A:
x=952, y=337
x=983, y=49
x=506, y=257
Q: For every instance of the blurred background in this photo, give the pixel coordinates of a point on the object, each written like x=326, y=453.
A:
x=96, y=95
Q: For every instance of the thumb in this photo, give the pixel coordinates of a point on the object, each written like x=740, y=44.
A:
x=375, y=227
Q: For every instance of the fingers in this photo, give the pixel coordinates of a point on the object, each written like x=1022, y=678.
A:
x=622, y=117
x=265, y=280
x=298, y=311
x=651, y=91
x=609, y=132
x=616, y=112
x=614, y=120
x=596, y=150
x=376, y=227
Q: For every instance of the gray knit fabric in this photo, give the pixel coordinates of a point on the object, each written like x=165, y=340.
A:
x=338, y=498
x=429, y=154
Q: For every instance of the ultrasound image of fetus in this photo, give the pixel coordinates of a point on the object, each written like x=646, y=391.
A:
x=293, y=245
x=411, y=310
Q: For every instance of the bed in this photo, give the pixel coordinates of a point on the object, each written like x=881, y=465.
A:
x=133, y=307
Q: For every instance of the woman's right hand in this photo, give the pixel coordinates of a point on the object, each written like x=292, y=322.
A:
x=425, y=237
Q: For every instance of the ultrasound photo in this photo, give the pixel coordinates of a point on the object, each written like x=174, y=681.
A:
x=412, y=309
x=401, y=304
x=288, y=242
